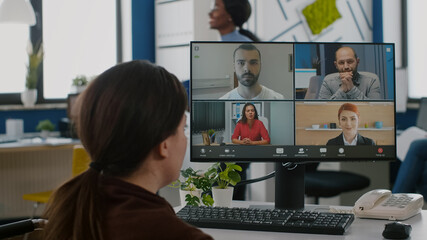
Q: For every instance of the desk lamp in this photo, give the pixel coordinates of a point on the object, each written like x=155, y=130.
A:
x=17, y=11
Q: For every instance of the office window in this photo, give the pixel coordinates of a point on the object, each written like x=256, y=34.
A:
x=13, y=58
x=79, y=37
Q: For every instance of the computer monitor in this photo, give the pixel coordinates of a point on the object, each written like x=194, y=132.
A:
x=292, y=103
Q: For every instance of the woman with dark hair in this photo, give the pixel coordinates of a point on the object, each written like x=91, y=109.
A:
x=227, y=15
x=131, y=121
x=249, y=130
x=348, y=118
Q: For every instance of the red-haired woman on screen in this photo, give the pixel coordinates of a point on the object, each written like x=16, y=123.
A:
x=348, y=118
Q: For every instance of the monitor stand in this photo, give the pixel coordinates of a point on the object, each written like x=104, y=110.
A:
x=289, y=186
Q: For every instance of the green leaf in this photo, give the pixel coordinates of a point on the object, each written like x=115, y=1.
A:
x=80, y=80
x=212, y=170
x=175, y=184
x=45, y=125
x=188, y=172
x=35, y=57
x=223, y=175
x=192, y=200
x=234, y=178
x=235, y=167
x=207, y=200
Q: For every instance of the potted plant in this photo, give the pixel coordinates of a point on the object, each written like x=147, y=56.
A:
x=45, y=126
x=79, y=83
x=195, y=188
x=35, y=57
x=223, y=193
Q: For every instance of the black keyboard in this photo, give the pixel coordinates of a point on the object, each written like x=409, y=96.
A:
x=273, y=220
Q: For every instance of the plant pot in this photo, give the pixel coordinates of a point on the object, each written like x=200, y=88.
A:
x=222, y=196
x=29, y=97
x=78, y=89
x=44, y=134
x=183, y=193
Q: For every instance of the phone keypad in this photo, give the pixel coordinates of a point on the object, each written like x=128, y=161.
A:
x=397, y=200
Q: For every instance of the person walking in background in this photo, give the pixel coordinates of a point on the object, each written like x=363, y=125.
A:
x=228, y=17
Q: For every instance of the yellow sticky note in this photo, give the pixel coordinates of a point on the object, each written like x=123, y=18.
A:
x=320, y=15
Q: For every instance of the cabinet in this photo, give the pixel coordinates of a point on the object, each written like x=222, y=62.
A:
x=178, y=22
x=28, y=169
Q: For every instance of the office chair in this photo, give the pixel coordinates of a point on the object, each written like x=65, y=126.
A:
x=328, y=183
x=314, y=87
x=80, y=164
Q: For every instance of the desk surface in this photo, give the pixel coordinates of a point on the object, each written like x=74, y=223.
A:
x=34, y=144
x=359, y=229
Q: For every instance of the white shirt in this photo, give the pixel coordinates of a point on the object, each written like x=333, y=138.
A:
x=353, y=143
x=265, y=93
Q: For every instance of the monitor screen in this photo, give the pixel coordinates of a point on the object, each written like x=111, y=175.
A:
x=292, y=102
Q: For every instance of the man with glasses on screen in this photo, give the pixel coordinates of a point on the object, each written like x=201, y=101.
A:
x=348, y=83
x=247, y=66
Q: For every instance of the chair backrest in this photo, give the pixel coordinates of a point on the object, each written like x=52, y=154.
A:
x=81, y=160
x=422, y=114
x=311, y=167
x=314, y=87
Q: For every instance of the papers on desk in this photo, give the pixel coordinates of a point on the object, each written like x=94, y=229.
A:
x=30, y=142
x=47, y=141
x=405, y=139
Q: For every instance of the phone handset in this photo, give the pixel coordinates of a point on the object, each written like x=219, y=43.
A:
x=368, y=200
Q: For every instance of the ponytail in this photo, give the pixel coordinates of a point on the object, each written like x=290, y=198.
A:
x=240, y=11
x=249, y=34
x=76, y=211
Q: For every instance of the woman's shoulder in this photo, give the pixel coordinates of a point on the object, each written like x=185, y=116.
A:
x=338, y=140
x=149, y=224
x=235, y=36
x=259, y=121
x=365, y=140
x=239, y=123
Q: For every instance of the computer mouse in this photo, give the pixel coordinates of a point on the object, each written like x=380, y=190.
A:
x=397, y=230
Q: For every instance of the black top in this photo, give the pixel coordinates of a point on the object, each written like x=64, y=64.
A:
x=360, y=140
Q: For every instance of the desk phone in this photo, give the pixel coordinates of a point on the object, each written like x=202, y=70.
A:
x=381, y=204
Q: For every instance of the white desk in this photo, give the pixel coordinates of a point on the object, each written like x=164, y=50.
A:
x=359, y=229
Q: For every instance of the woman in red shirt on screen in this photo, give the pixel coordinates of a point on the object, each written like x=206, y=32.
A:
x=249, y=130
